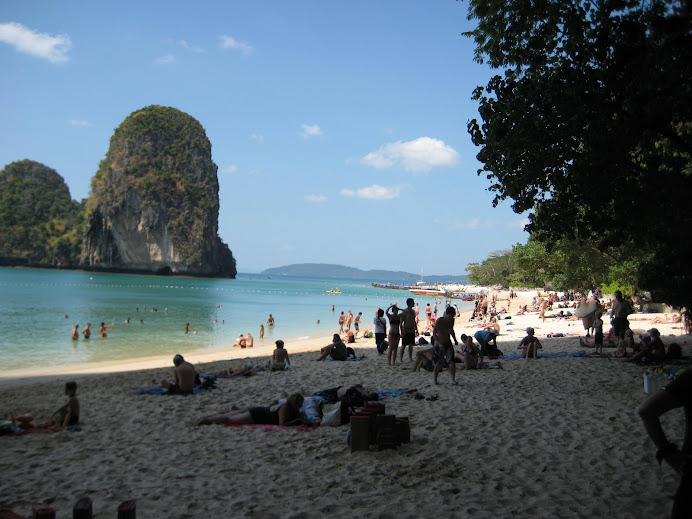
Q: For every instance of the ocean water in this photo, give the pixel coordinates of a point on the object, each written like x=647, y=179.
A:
x=39, y=308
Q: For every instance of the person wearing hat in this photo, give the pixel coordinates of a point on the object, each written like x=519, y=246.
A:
x=279, y=357
x=529, y=345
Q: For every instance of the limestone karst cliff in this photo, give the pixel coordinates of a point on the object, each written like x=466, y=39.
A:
x=154, y=204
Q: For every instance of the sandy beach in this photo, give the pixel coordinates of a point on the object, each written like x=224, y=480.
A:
x=552, y=437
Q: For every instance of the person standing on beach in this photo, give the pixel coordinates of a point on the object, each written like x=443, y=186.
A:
x=443, y=330
x=380, y=328
x=677, y=394
x=356, y=323
x=428, y=314
x=394, y=333
x=409, y=329
x=349, y=320
x=75, y=332
x=342, y=320
x=87, y=331
x=187, y=327
x=621, y=309
x=261, y=334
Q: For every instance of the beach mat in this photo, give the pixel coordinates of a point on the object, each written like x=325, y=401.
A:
x=160, y=391
x=270, y=426
x=394, y=393
x=549, y=355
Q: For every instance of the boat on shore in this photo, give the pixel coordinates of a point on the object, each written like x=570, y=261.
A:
x=428, y=291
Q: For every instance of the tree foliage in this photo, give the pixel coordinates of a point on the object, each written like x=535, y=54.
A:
x=39, y=222
x=497, y=269
x=589, y=127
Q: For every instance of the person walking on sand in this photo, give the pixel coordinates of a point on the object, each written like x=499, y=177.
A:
x=349, y=320
x=442, y=331
x=409, y=329
x=87, y=331
x=75, y=332
x=356, y=323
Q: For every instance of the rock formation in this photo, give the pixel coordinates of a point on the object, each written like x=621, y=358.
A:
x=154, y=202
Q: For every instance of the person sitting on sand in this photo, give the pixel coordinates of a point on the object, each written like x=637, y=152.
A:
x=239, y=342
x=522, y=310
x=285, y=414
x=529, y=345
x=279, y=357
x=185, y=378
x=470, y=355
x=651, y=348
x=675, y=318
x=69, y=413
x=426, y=358
x=336, y=350
x=249, y=340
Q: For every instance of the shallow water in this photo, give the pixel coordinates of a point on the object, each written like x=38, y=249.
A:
x=38, y=309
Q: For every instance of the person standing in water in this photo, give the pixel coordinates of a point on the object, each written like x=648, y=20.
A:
x=87, y=331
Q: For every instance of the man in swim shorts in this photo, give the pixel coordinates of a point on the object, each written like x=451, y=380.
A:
x=409, y=328
x=443, y=330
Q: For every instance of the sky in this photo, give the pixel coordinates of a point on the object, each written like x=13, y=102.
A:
x=338, y=128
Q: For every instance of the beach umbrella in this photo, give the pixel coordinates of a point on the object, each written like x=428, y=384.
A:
x=586, y=309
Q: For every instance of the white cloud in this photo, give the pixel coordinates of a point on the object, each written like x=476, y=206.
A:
x=77, y=122
x=316, y=198
x=193, y=48
x=166, y=59
x=40, y=45
x=311, y=130
x=373, y=192
x=257, y=137
x=230, y=170
x=520, y=223
x=227, y=42
x=420, y=155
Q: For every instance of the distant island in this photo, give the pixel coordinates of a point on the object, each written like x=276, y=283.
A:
x=325, y=270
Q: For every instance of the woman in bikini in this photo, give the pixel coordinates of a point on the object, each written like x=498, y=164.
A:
x=394, y=333
x=470, y=353
x=287, y=413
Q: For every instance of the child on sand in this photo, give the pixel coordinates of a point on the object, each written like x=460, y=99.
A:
x=69, y=413
x=279, y=358
x=598, y=333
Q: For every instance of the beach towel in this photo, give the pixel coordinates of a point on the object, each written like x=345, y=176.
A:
x=549, y=355
x=273, y=427
x=348, y=358
x=160, y=391
x=394, y=392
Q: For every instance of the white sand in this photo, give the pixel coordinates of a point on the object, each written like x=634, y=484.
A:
x=554, y=437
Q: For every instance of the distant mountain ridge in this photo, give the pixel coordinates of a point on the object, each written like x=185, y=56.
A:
x=327, y=270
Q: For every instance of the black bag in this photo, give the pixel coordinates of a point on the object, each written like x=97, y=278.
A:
x=382, y=347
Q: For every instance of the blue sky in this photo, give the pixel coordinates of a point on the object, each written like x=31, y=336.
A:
x=339, y=128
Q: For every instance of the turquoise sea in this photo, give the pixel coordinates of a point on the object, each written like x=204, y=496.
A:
x=39, y=308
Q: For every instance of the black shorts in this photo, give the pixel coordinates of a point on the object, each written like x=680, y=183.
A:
x=357, y=326
x=408, y=338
